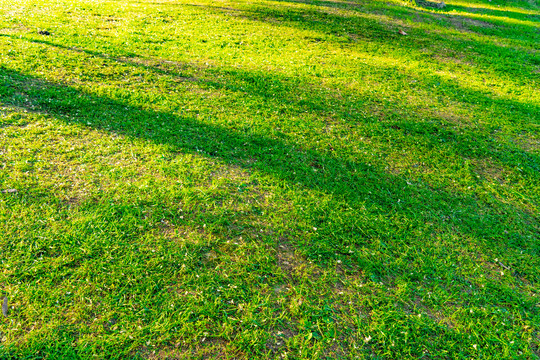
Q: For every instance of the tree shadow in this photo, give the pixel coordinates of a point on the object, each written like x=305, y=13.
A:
x=349, y=182
x=495, y=12
x=275, y=90
x=360, y=192
x=381, y=27
x=366, y=6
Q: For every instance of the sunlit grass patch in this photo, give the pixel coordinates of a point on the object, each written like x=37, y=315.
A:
x=269, y=179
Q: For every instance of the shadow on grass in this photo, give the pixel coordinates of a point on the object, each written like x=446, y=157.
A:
x=277, y=91
x=350, y=183
x=360, y=192
x=370, y=208
x=474, y=9
x=406, y=10
x=343, y=29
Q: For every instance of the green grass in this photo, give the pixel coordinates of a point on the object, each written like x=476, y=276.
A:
x=270, y=179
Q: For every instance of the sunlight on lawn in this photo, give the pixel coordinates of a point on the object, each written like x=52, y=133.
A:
x=285, y=179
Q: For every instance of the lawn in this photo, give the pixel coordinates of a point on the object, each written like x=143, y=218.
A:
x=269, y=179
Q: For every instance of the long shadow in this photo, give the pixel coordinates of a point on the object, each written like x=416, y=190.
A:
x=498, y=13
x=343, y=29
x=433, y=135
x=352, y=183
x=348, y=181
x=464, y=145
x=452, y=89
x=364, y=6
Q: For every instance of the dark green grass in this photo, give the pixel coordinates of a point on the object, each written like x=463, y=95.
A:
x=269, y=180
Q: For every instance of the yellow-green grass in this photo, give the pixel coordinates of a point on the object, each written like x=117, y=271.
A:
x=269, y=179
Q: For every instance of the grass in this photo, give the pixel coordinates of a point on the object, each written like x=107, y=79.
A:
x=269, y=179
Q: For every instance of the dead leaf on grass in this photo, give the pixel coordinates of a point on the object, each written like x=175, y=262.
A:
x=5, y=306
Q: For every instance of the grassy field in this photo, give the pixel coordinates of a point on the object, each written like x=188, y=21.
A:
x=269, y=179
